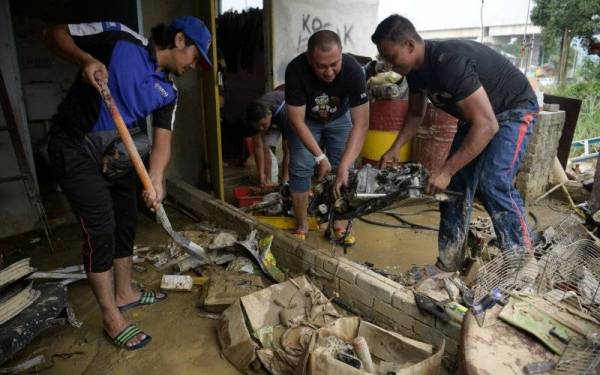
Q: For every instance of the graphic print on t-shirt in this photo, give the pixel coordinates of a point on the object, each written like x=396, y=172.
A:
x=325, y=106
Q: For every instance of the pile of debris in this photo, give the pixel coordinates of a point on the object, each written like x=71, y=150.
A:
x=270, y=325
x=27, y=309
x=544, y=303
x=293, y=328
x=232, y=267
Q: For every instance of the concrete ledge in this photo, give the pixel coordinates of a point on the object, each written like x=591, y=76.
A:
x=365, y=292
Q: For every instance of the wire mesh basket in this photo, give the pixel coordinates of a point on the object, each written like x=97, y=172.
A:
x=563, y=269
x=560, y=268
x=580, y=357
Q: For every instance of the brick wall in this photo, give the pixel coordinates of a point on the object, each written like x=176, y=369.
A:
x=532, y=180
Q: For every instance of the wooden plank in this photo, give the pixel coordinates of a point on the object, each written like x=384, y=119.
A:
x=596, y=189
x=571, y=107
x=210, y=98
x=268, y=38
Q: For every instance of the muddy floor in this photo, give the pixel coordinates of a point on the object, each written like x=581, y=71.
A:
x=398, y=249
x=184, y=342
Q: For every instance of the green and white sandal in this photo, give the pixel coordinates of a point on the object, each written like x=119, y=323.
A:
x=127, y=334
x=148, y=297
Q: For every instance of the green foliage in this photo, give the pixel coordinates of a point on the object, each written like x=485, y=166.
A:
x=587, y=89
x=580, y=17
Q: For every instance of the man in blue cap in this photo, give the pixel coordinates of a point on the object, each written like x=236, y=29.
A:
x=101, y=187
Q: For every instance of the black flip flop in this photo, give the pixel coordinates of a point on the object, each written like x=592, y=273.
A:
x=127, y=334
x=148, y=297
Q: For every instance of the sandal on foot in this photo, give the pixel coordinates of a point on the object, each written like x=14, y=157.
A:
x=128, y=333
x=349, y=240
x=300, y=234
x=147, y=297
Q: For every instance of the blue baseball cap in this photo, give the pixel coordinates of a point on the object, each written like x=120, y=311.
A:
x=195, y=29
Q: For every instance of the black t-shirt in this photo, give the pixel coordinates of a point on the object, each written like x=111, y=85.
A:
x=454, y=69
x=325, y=101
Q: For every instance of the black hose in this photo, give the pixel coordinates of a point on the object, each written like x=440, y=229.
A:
x=404, y=224
x=412, y=213
x=382, y=224
x=412, y=225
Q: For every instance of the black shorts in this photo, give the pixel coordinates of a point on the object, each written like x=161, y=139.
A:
x=106, y=210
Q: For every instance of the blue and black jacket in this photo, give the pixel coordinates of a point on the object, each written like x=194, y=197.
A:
x=135, y=84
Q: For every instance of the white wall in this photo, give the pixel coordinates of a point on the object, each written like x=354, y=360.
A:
x=295, y=21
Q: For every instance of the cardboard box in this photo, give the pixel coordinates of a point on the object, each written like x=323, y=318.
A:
x=261, y=313
x=402, y=355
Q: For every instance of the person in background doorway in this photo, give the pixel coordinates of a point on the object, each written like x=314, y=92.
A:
x=497, y=109
x=327, y=103
x=267, y=119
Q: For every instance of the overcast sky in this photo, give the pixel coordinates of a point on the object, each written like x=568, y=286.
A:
x=437, y=14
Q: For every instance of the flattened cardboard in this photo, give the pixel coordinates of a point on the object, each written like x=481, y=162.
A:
x=236, y=344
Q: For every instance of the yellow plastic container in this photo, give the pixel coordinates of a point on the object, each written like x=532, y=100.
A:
x=377, y=142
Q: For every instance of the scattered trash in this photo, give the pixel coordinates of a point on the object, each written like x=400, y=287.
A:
x=15, y=298
x=224, y=289
x=207, y=315
x=71, y=316
x=241, y=264
x=47, y=310
x=177, y=282
x=417, y=273
x=24, y=366
x=34, y=240
x=456, y=311
x=223, y=240
x=488, y=301
x=15, y=272
x=430, y=306
x=452, y=287
x=189, y=263
x=361, y=348
x=551, y=323
x=261, y=252
x=57, y=275
x=589, y=288
x=139, y=268
x=538, y=368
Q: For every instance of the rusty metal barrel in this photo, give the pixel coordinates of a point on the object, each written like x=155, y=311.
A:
x=432, y=143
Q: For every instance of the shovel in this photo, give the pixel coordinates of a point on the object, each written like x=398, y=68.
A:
x=188, y=246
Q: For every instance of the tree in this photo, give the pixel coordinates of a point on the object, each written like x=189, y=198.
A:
x=566, y=19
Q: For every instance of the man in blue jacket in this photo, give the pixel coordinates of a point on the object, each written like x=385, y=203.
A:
x=100, y=186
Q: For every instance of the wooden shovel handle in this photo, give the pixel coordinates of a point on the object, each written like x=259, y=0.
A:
x=134, y=155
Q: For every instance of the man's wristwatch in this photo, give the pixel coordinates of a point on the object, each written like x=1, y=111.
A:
x=320, y=158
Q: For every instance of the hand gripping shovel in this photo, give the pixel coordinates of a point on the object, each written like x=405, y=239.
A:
x=190, y=247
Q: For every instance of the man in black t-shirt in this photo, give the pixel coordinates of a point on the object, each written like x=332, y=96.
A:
x=327, y=103
x=497, y=109
x=266, y=119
